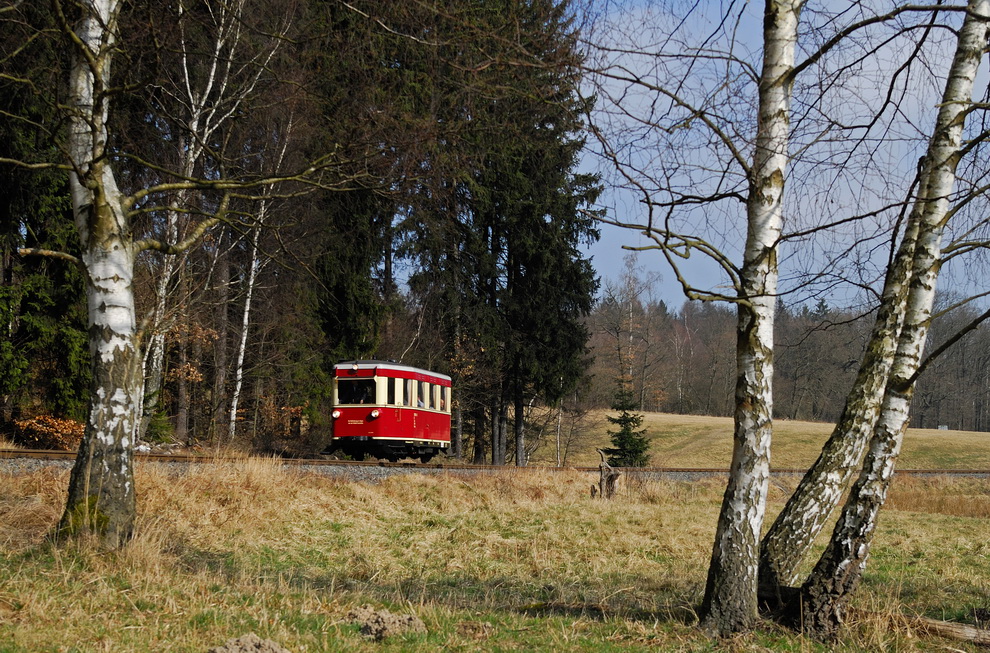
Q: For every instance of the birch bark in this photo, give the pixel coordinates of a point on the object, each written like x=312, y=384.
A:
x=255, y=265
x=730, y=602
x=838, y=571
x=794, y=530
x=101, y=498
x=206, y=98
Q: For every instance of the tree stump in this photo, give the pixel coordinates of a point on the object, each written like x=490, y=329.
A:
x=607, y=480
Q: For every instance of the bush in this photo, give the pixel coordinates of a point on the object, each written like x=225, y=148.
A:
x=47, y=432
x=160, y=429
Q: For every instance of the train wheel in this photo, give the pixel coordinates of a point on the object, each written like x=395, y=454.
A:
x=427, y=457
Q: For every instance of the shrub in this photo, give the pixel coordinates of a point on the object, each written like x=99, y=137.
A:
x=160, y=429
x=47, y=432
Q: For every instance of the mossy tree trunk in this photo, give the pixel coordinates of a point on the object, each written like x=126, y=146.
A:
x=730, y=601
x=101, y=487
x=839, y=569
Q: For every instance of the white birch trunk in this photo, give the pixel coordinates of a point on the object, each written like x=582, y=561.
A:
x=208, y=103
x=794, y=530
x=101, y=487
x=730, y=602
x=245, y=326
x=840, y=567
x=256, y=265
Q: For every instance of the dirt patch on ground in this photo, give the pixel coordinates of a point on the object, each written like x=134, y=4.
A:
x=249, y=643
x=477, y=630
x=379, y=624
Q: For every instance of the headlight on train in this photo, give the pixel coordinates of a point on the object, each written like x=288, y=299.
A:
x=335, y=414
x=375, y=413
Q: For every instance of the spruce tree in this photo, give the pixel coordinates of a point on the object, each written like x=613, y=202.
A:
x=630, y=445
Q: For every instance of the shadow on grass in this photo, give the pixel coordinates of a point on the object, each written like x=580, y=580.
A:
x=629, y=597
x=685, y=615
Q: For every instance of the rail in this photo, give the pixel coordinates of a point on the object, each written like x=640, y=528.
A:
x=451, y=466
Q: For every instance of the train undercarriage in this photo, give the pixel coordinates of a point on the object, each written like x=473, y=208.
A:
x=359, y=448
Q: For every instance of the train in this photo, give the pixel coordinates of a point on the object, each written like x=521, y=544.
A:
x=388, y=410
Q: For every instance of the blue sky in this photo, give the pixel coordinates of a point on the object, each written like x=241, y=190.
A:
x=823, y=189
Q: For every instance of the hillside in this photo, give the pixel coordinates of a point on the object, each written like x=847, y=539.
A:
x=701, y=441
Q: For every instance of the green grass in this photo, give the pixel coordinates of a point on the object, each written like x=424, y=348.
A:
x=498, y=563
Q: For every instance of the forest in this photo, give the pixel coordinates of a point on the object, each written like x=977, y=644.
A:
x=432, y=240
x=408, y=193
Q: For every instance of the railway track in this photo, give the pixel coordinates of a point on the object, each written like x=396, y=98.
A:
x=672, y=472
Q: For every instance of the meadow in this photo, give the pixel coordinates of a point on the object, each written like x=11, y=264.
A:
x=703, y=441
x=500, y=562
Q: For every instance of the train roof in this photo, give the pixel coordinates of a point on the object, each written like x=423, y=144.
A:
x=386, y=365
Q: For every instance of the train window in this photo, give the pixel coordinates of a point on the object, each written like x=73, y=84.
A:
x=443, y=398
x=409, y=392
x=421, y=396
x=433, y=397
x=391, y=391
x=356, y=391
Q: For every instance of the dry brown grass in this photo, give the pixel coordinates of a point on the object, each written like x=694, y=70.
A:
x=703, y=441
x=497, y=562
x=965, y=497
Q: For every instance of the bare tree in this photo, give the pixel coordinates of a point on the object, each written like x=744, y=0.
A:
x=729, y=135
x=215, y=73
x=756, y=181
x=838, y=571
x=101, y=499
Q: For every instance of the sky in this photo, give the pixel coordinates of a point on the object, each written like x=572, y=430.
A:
x=608, y=256
x=813, y=199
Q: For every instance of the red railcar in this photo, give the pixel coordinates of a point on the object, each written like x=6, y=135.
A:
x=389, y=410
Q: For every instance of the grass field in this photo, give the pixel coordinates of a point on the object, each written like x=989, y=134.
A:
x=701, y=441
x=523, y=562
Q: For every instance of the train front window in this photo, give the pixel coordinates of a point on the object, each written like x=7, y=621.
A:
x=356, y=391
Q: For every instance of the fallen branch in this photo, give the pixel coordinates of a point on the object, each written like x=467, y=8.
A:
x=950, y=630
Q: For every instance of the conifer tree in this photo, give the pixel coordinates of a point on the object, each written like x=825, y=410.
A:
x=631, y=445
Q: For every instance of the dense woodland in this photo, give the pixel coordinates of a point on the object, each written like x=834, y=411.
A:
x=443, y=227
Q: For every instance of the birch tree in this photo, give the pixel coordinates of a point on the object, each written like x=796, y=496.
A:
x=101, y=498
x=819, y=492
x=216, y=70
x=839, y=569
x=101, y=489
x=730, y=594
x=754, y=177
x=687, y=96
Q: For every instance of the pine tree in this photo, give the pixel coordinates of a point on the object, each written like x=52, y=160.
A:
x=631, y=445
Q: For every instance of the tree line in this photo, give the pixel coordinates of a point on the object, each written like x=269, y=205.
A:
x=682, y=360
